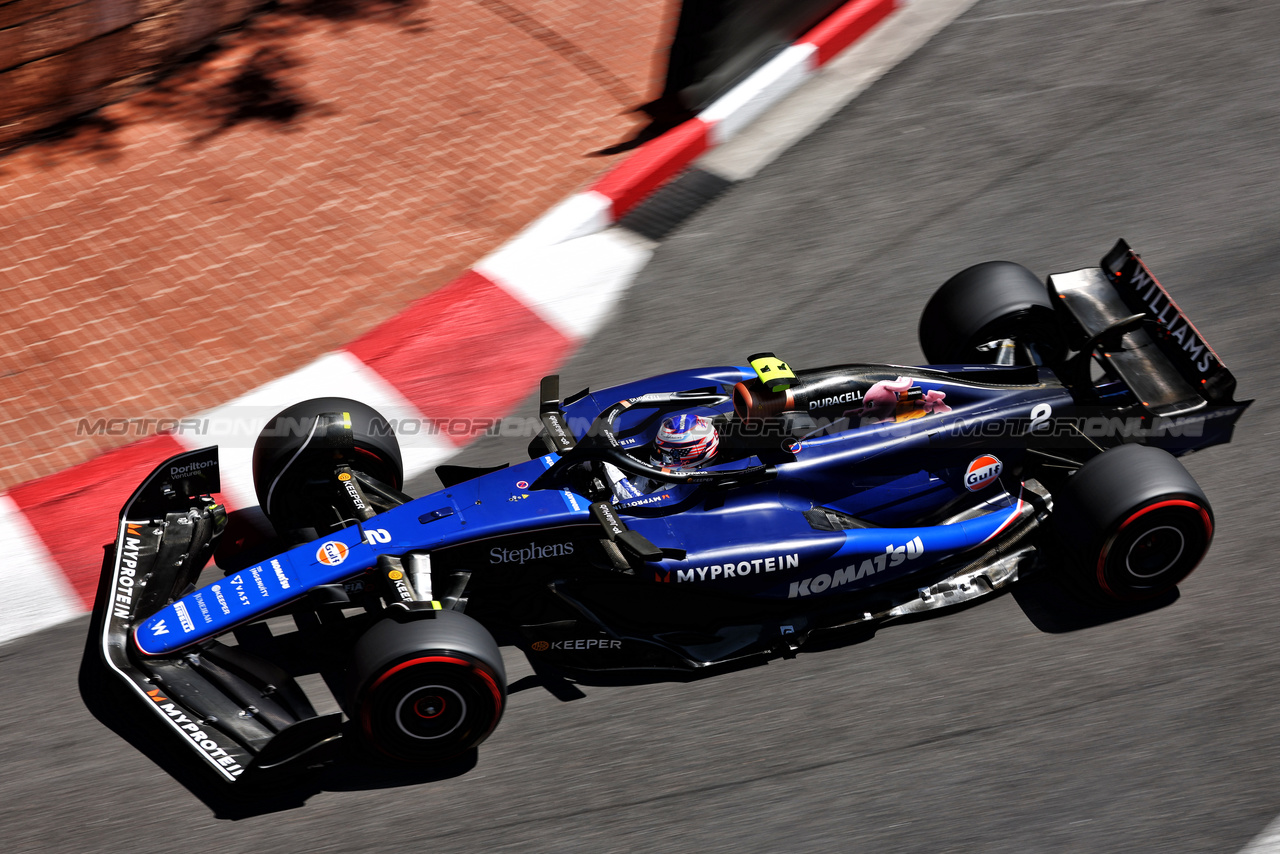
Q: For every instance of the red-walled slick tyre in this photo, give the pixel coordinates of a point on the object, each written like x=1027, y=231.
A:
x=1134, y=522
x=428, y=689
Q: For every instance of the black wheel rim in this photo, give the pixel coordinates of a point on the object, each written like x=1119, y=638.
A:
x=1155, y=552
x=430, y=712
x=429, y=708
x=1154, y=548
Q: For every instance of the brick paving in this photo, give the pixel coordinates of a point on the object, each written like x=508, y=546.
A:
x=289, y=191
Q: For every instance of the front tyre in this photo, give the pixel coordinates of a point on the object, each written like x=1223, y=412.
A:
x=428, y=689
x=297, y=451
x=1134, y=521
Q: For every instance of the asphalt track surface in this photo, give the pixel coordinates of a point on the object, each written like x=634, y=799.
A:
x=1032, y=131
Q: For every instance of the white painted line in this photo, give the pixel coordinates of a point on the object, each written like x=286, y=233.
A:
x=235, y=426
x=765, y=87
x=574, y=285
x=577, y=216
x=1266, y=842
x=832, y=86
x=36, y=593
x=1059, y=11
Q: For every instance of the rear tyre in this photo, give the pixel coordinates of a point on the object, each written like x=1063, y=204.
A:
x=296, y=453
x=1134, y=523
x=428, y=689
x=989, y=302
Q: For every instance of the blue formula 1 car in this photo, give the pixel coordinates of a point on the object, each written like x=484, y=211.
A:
x=1043, y=434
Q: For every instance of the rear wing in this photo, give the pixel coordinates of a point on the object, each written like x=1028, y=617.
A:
x=1175, y=334
x=237, y=713
x=1126, y=319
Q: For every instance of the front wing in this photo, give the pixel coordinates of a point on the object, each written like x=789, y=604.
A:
x=235, y=712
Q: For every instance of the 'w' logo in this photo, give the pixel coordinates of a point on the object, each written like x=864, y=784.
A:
x=159, y=629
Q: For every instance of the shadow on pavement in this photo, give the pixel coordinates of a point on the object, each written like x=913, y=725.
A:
x=250, y=74
x=1054, y=609
x=343, y=766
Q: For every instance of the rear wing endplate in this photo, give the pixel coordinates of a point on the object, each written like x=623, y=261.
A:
x=1130, y=322
x=1175, y=334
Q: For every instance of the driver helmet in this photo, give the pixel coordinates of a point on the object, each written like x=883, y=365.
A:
x=685, y=441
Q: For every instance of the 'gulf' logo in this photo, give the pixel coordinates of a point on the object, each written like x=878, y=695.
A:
x=981, y=472
x=332, y=553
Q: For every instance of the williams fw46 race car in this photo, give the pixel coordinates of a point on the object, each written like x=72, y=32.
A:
x=673, y=523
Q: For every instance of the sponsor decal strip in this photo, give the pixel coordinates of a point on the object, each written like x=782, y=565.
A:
x=580, y=643
x=1156, y=299
x=640, y=502
x=938, y=541
x=176, y=472
x=982, y=472
x=531, y=552
x=128, y=542
x=893, y=556
x=209, y=747
x=848, y=397
x=255, y=591
x=126, y=570
x=739, y=569
x=354, y=493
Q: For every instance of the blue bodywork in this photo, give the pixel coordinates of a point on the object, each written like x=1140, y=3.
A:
x=837, y=499
x=752, y=542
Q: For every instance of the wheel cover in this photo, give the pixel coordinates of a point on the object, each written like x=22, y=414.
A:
x=1154, y=548
x=1155, y=552
x=430, y=712
x=452, y=706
